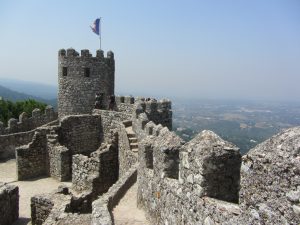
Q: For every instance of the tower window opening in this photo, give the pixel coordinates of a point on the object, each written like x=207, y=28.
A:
x=87, y=72
x=65, y=71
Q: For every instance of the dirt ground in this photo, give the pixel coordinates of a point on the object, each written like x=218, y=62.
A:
x=27, y=189
x=126, y=212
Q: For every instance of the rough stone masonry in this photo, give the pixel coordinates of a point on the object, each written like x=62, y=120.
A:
x=103, y=152
x=9, y=203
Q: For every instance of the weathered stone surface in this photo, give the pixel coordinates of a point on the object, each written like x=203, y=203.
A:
x=26, y=123
x=270, y=179
x=213, y=164
x=77, y=89
x=9, y=204
x=80, y=133
x=204, y=181
x=9, y=143
x=182, y=199
x=32, y=158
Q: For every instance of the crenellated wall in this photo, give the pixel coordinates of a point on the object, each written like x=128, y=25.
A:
x=124, y=104
x=9, y=143
x=176, y=180
x=26, y=123
x=81, y=77
x=159, y=112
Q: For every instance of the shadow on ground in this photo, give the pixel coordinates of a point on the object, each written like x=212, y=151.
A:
x=22, y=221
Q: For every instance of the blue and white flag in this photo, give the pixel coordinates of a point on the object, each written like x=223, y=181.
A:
x=96, y=26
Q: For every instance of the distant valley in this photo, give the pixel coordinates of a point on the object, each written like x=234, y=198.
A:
x=39, y=90
x=26, y=91
x=244, y=123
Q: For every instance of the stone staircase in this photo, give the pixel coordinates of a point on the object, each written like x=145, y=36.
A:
x=52, y=137
x=133, y=142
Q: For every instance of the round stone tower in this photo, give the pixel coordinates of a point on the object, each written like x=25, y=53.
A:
x=81, y=77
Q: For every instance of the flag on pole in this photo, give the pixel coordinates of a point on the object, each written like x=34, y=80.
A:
x=96, y=26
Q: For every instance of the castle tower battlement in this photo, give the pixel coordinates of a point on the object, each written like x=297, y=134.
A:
x=80, y=77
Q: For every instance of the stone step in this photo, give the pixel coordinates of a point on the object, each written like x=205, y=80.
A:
x=52, y=136
x=133, y=140
x=133, y=145
x=135, y=149
x=131, y=135
x=53, y=141
x=127, y=123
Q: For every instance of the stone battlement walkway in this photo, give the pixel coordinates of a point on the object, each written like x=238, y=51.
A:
x=126, y=212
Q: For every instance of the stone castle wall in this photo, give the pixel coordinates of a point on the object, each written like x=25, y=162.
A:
x=9, y=143
x=32, y=159
x=97, y=172
x=124, y=104
x=21, y=132
x=91, y=176
x=175, y=179
x=81, y=77
x=103, y=206
x=46, y=155
x=214, y=185
x=270, y=184
x=110, y=122
x=158, y=112
x=127, y=157
x=26, y=123
x=9, y=204
x=80, y=133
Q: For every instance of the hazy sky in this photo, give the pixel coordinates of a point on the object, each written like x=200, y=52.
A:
x=206, y=49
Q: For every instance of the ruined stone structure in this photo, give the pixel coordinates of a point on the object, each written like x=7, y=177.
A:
x=104, y=152
x=20, y=132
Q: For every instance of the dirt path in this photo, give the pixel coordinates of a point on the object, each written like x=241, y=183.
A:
x=27, y=189
x=126, y=212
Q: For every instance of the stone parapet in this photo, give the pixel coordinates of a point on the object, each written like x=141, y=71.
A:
x=26, y=123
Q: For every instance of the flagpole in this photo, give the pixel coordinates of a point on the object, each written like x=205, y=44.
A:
x=100, y=32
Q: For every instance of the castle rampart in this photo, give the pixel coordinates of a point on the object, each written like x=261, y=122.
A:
x=9, y=142
x=27, y=123
x=175, y=179
x=81, y=77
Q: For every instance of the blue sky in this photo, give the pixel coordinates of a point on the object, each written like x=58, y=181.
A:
x=205, y=49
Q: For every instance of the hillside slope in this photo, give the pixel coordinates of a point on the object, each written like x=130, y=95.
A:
x=11, y=95
x=41, y=90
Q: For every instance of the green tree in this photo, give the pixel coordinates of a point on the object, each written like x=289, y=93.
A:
x=10, y=109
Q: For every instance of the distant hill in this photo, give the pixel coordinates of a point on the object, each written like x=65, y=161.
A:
x=43, y=91
x=11, y=95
